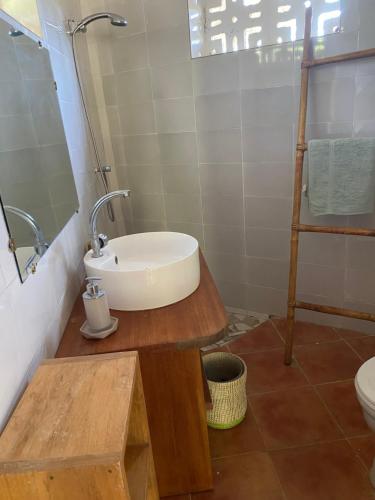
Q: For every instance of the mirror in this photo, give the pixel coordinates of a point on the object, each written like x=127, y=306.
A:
x=219, y=26
x=25, y=11
x=37, y=189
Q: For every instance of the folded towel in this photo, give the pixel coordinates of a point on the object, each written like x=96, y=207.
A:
x=341, y=176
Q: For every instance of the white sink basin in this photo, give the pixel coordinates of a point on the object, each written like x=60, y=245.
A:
x=147, y=270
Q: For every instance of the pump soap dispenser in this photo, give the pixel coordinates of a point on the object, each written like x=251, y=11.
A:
x=99, y=323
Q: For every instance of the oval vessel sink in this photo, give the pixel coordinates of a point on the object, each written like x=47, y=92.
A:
x=147, y=270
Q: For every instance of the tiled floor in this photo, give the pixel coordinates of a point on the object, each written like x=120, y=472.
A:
x=304, y=436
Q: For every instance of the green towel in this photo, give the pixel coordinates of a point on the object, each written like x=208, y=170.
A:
x=341, y=176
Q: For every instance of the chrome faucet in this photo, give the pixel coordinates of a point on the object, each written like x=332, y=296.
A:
x=41, y=244
x=100, y=240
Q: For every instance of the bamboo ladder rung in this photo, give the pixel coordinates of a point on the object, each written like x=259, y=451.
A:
x=349, y=56
x=337, y=311
x=354, y=231
x=309, y=62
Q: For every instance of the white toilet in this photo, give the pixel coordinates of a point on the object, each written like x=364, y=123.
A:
x=365, y=387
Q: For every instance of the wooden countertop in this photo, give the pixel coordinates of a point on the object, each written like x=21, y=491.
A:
x=196, y=321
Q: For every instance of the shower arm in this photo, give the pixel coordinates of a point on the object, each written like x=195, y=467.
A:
x=115, y=20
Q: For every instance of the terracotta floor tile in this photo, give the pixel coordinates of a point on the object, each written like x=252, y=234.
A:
x=266, y=372
x=241, y=439
x=295, y=417
x=328, y=471
x=244, y=477
x=328, y=362
x=307, y=333
x=364, y=447
x=364, y=347
x=261, y=338
x=341, y=399
x=350, y=334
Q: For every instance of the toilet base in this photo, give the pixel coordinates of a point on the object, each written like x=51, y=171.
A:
x=372, y=474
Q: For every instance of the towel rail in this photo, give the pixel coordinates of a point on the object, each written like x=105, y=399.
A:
x=308, y=62
x=349, y=56
x=337, y=311
x=355, y=231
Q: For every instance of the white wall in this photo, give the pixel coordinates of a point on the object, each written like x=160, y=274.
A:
x=33, y=314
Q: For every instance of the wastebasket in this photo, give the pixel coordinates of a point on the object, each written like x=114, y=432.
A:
x=226, y=377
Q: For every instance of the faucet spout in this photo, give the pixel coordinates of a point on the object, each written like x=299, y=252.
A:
x=41, y=244
x=94, y=237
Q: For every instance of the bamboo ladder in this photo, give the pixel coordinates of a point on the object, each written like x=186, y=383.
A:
x=309, y=62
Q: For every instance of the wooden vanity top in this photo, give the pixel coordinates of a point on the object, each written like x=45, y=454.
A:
x=196, y=321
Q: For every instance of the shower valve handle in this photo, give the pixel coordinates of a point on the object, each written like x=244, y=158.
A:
x=105, y=169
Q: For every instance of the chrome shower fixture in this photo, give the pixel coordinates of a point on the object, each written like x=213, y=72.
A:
x=114, y=19
x=81, y=27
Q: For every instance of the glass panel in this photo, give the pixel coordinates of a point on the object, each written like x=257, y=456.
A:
x=37, y=188
x=219, y=26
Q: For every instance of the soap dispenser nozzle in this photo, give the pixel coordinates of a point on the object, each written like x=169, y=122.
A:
x=92, y=286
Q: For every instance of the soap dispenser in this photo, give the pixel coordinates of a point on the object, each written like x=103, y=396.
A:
x=99, y=323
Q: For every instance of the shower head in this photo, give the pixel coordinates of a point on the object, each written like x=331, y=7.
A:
x=13, y=32
x=118, y=20
x=114, y=19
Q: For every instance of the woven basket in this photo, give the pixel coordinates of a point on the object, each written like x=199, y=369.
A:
x=226, y=376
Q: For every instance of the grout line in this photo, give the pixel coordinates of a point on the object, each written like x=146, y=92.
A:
x=198, y=166
x=273, y=349
x=269, y=451
x=345, y=380
x=308, y=383
x=330, y=413
x=244, y=243
x=333, y=341
x=352, y=349
x=159, y=167
x=358, y=456
x=277, y=330
x=249, y=404
x=361, y=335
x=258, y=428
x=298, y=364
x=283, y=492
x=307, y=445
x=285, y=389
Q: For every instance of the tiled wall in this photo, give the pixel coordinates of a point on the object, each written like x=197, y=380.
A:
x=33, y=315
x=208, y=145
